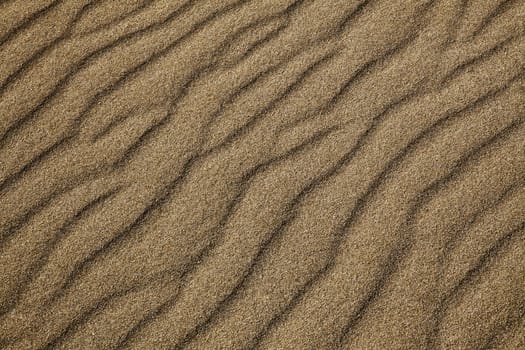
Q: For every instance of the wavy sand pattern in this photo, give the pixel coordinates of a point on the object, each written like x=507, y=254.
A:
x=262, y=174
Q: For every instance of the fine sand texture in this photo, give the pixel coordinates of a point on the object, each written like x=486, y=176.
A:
x=262, y=174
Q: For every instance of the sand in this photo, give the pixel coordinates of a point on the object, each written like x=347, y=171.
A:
x=262, y=174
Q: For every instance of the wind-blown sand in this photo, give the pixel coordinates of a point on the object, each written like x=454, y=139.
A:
x=262, y=174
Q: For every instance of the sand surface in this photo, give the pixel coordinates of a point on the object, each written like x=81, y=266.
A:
x=262, y=174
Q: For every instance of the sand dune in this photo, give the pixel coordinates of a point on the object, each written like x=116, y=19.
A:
x=262, y=174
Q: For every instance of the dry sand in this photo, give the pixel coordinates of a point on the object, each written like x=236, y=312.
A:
x=262, y=174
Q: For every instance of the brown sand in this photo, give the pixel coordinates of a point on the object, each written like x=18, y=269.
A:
x=262, y=174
